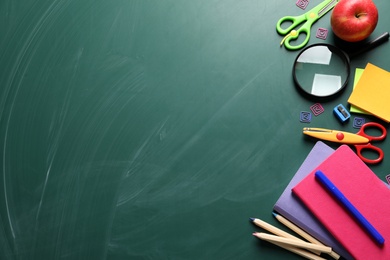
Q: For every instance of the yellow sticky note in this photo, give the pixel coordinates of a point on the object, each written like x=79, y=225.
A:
x=372, y=92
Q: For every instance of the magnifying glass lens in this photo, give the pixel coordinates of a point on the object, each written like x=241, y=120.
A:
x=321, y=70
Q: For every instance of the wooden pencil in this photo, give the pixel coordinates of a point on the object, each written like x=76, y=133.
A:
x=292, y=242
x=302, y=233
x=274, y=230
x=298, y=251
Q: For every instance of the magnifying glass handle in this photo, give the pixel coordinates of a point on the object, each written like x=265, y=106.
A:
x=372, y=44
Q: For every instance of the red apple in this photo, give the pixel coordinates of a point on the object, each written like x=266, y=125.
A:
x=354, y=20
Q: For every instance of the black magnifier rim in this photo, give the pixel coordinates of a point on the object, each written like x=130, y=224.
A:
x=343, y=55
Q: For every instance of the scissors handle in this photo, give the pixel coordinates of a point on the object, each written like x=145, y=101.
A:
x=295, y=21
x=292, y=35
x=362, y=131
x=361, y=147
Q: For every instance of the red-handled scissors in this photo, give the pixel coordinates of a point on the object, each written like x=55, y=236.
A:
x=361, y=140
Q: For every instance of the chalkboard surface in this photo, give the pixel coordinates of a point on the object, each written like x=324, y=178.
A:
x=139, y=129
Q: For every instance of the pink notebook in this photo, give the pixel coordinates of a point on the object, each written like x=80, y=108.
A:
x=363, y=189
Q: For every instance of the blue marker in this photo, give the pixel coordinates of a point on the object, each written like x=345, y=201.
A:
x=349, y=207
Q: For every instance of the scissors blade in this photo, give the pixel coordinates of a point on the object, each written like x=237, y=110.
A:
x=335, y=136
x=329, y=6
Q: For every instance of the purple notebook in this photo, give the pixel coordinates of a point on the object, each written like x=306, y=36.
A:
x=292, y=209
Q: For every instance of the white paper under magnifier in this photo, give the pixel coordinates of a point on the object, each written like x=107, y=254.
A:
x=325, y=84
x=317, y=55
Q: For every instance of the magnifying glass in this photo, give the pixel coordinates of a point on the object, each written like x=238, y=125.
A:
x=323, y=70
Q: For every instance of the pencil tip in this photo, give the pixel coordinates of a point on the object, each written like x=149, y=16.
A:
x=275, y=214
x=252, y=219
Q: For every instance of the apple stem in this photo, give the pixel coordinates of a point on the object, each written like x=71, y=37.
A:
x=360, y=14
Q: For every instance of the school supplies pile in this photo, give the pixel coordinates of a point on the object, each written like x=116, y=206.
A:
x=372, y=92
x=358, y=231
x=291, y=208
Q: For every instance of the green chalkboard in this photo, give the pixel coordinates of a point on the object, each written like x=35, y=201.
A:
x=139, y=129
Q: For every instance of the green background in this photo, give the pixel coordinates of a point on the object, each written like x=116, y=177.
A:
x=140, y=129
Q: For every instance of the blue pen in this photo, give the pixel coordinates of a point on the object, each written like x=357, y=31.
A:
x=349, y=207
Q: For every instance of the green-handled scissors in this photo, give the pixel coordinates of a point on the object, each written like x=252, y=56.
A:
x=310, y=17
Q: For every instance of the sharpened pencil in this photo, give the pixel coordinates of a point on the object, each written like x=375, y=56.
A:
x=292, y=242
x=274, y=230
x=302, y=233
x=299, y=251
